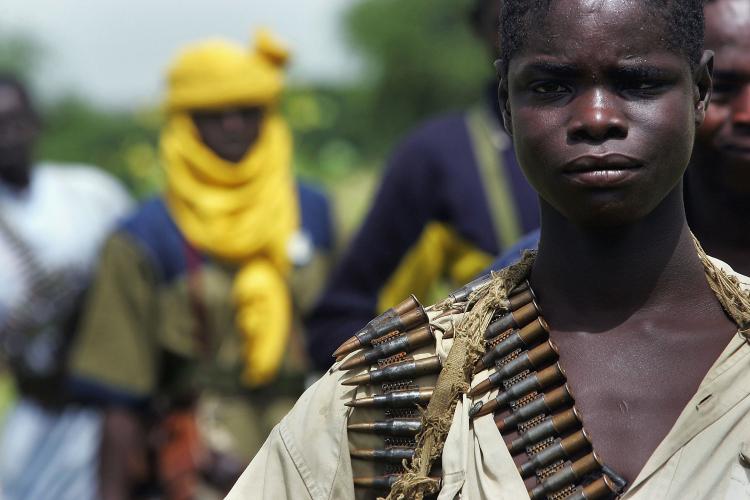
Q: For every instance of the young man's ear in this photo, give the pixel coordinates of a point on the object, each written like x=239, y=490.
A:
x=703, y=79
x=502, y=97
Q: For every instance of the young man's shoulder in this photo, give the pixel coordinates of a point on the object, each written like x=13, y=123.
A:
x=306, y=454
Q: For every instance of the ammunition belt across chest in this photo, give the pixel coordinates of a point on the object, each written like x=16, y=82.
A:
x=534, y=409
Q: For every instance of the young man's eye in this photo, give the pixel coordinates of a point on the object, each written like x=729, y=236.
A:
x=643, y=87
x=646, y=85
x=549, y=88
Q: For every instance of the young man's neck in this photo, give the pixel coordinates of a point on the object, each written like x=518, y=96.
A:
x=600, y=277
x=719, y=218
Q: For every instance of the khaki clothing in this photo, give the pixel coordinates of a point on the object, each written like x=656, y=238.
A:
x=307, y=454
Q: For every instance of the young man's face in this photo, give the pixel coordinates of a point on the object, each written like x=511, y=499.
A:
x=723, y=142
x=230, y=132
x=602, y=113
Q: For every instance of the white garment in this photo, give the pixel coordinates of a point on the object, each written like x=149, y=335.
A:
x=63, y=216
x=49, y=455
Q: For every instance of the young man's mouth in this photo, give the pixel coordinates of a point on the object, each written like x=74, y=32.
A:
x=602, y=171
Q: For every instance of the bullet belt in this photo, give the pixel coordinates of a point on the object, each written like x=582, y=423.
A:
x=534, y=409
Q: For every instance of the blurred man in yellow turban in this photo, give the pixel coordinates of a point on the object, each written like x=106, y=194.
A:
x=191, y=313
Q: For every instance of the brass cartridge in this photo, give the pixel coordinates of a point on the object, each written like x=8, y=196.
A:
x=395, y=455
x=548, y=377
x=529, y=360
x=397, y=371
x=563, y=449
x=395, y=399
x=556, y=425
x=568, y=475
x=523, y=338
x=390, y=427
x=601, y=489
x=407, y=342
x=514, y=319
x=547, y=403
x=406, y=315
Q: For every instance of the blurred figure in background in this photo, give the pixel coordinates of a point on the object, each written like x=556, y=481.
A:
x=717, y=188
x=53, y=219
x=433, y=219
x=717, y=182
x=190, y=317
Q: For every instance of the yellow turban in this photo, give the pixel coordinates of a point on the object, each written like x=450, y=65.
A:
x=217, y=73
x=241, y=212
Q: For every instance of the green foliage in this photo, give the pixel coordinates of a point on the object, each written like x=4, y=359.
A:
x=326, y=146
x=20, y=54
x=123, y=143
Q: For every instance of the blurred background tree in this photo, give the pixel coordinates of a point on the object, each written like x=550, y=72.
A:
x=122, y=142
x=20, y=54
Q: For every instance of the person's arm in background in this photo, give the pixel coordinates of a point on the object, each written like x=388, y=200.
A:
x=404, y=204
x=122, y=460
x=113, y=362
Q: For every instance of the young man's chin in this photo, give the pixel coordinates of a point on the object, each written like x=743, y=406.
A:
x=609, y=215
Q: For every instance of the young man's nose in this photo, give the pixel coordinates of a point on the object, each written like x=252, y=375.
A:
x=596, y=118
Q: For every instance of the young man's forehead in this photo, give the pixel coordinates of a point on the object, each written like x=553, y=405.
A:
x=588, y=32
x=621, y=26
x=650, y=66
x=674, y=24
x=577, y=54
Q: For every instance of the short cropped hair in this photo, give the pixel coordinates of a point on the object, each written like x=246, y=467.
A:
x=682, y=19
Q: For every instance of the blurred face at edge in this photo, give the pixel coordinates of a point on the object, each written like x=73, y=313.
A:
x=229, y=132
x=18, y=132
x=723, y=142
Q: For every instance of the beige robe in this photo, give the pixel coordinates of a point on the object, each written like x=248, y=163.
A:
x=702, y=457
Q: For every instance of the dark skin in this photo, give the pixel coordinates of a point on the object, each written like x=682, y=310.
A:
x=19, y=130
x=718, y=188
x=122, y=462
x=230, y=132
x=603, y=124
